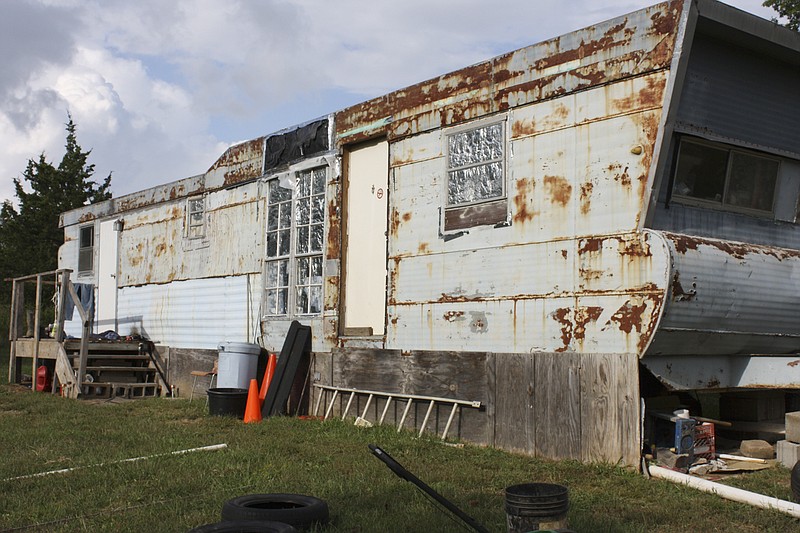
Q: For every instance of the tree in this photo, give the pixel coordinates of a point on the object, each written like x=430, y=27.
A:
x=29, y=233
x=788, y=9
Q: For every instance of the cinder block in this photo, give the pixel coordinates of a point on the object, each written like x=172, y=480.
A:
x=788, y=453
x=793, y=426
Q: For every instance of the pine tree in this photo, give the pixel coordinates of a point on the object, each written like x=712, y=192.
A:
x=29, y=233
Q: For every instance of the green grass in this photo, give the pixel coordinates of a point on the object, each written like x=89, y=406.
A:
x=330, y=460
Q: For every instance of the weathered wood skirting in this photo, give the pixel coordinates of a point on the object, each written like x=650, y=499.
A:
x=552, y=405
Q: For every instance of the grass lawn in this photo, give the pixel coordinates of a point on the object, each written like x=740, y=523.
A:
x=329, y=460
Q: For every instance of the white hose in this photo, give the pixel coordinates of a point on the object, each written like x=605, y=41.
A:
x=729, y=493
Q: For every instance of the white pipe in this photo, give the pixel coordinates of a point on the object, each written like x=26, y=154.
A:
x=65, y=470
x=741, y=458
x=729, y=493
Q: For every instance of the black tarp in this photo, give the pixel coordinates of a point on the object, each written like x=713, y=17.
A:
x=293, y=145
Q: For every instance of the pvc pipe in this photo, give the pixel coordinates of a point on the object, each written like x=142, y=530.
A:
x=134, y=459
x=741, y=458
x=724, y=491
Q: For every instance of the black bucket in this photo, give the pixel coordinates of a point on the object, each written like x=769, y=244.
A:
x=536, y=506
x=227, y=402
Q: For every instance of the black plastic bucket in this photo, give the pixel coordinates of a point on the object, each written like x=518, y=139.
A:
x=536, y=506
x=227, y=402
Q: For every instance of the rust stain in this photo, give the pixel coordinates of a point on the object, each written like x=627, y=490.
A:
x=620, y=175
x=423, y=248
x=794, y=363
x=160, y=249
x=559, y=189
x=634, y=248
x=590, y=245
x=564, y=254
x=523, y=128
x=406, y=216
x=737, y=250
x=522, y=214
x=589, y=274
x=562, y=316
x=649, y=97
x=452, y=316
x=584, y=315
x=333, y=248
x=586, y=197
x=394, y=222
x=678, y=292
x=86, y=217
x=449, y=298
x=629, y=317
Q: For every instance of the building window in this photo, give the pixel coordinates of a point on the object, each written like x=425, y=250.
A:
x=195, y=218
x=295, y=222
x=86, y=250
x=475, y=176
x=718, y=175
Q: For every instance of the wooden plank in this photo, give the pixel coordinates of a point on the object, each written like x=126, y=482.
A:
x=36, y=312
x=491, y=398
x=558, y=405
x=610, y=428
x=514, y=397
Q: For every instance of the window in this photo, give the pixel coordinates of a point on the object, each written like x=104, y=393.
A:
x=195, y=218
x=295, y=221
x=475, y=176
x=86, y=250
x=715, y=174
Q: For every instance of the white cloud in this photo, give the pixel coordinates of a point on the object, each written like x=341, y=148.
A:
x=149, y=83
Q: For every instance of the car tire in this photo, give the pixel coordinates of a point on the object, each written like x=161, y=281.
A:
x=245, y=526
x=296, y=509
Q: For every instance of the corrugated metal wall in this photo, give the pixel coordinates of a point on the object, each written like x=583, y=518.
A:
x=198, y=313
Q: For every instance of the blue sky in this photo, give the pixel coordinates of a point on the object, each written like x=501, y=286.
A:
x=159, y=89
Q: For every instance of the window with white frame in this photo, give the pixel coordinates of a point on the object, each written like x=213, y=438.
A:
x=476, y=181
x=196, y=217
x=295, y=229
x=86, y=250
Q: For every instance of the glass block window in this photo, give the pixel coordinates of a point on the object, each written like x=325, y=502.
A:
x=86, y=250
x=475, y=165
x=196, y=218
x=295, y=230
x=717, y=174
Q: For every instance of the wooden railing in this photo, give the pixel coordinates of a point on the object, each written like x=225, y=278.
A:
x=64, y=376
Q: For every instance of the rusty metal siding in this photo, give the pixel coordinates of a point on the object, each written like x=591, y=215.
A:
x=240, y=163
x=569, y=270
x=577, y=295
x=198, y=313
x=729, y=298
x=154, y=247
x=624, y=47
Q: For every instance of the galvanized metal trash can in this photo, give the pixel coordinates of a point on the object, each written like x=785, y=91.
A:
x=238, y=362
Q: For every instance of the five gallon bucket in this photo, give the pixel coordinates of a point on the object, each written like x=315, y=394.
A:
x=536, y=506
x=238, y=363
x=227, y=402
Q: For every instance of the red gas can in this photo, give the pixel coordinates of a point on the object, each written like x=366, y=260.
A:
x=43, y=382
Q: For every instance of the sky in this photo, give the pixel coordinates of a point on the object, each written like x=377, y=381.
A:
x=159, y=89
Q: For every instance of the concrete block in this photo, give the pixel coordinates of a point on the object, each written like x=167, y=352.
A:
x=788, y=453
x=759, y=449
x=793, y=426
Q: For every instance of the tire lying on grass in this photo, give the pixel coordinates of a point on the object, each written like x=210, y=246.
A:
x=296, y=509
x=245, y=526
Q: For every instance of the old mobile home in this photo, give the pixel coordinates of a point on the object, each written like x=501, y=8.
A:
x=542, y=233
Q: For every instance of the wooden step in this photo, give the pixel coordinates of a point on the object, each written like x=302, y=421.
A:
x=102, y=389
x=120, y=369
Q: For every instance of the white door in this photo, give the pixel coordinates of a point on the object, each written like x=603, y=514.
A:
x=364, y=295
x=106, y=314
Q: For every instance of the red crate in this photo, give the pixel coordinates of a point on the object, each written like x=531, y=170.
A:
x=704, y=440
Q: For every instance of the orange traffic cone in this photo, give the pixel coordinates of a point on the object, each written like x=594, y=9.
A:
x=270, y=371
x=252, y=412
